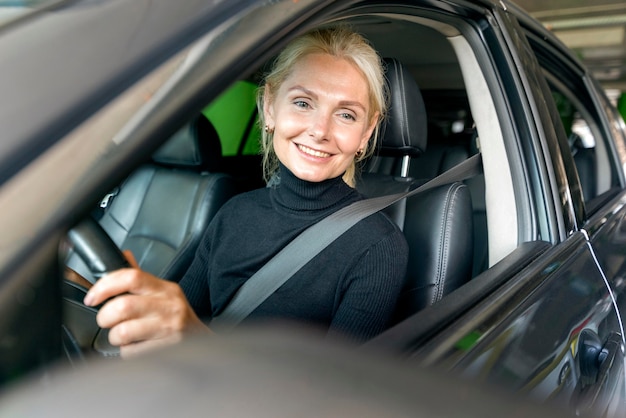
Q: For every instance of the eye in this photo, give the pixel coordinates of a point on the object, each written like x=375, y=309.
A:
x=347, y=116
x=301, y=103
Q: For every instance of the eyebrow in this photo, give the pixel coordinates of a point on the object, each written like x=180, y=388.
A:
x=315, y=96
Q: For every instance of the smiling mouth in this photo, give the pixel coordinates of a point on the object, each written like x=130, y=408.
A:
x=312, y=152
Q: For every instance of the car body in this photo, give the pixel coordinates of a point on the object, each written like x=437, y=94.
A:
x=90, y=89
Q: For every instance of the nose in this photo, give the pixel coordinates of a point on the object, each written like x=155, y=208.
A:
x=320, y=126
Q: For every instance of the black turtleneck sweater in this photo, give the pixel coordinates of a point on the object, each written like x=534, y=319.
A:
x=350, y=288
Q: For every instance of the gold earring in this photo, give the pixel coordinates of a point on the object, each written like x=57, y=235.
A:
x=360, y=153
x=269, y=130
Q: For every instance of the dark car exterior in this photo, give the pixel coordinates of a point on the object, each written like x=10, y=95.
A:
x=91, y=88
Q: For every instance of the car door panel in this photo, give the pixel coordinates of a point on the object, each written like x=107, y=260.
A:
x=416, y=330
x=607, y=230
x=525, y=337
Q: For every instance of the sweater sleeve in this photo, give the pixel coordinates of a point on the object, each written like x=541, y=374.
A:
x=368, y=303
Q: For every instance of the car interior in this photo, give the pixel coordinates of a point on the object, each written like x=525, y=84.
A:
x=443, y=110
x=441, y=113
x=162, y=209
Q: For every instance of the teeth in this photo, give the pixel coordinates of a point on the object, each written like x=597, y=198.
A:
x=312, y=152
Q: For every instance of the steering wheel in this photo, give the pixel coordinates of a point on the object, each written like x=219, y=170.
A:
x=96, y=248
x=81, y=333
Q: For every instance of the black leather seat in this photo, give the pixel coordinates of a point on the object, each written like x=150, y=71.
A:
x=437, y=223
x=162, y=209
x=443, y=153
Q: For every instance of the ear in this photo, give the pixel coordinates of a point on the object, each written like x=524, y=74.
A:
x=370, y=129
x=268, y=108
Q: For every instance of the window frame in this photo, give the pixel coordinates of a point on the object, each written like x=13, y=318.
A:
x=560, y=70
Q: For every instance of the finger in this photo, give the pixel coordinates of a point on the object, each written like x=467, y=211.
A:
x=117, y=283
x=130, y=257
x=160, y=315
x=119, y=309
x=141, y=330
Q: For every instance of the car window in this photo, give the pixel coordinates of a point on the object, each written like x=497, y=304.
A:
x=589, y=143
x=234, y=115
x=462, y=121
x=621, y=105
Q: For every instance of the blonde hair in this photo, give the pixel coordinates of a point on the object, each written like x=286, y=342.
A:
x=340, y=42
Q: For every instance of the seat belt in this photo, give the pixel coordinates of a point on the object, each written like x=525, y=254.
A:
x=315, y=238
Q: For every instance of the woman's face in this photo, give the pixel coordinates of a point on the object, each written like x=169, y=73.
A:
x=320, y=117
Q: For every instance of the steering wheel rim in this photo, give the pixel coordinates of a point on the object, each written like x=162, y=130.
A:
x=101, y=256
x=96, y=248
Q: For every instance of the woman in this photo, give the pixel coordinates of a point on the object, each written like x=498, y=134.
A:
x=321, y=106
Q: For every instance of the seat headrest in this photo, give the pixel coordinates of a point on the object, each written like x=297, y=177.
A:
x=404, y=131
x=197, y=145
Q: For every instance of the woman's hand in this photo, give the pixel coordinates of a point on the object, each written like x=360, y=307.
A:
x=145, y=311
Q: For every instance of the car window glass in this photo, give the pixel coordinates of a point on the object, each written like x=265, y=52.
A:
x=589, y=142
x=616, y=126
x=621, y=105
x=234, y=115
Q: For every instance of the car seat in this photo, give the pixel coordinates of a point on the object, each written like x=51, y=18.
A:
x=437, y=223
x=162, y=209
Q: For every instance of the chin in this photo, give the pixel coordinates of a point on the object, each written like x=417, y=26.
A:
x=313, y=177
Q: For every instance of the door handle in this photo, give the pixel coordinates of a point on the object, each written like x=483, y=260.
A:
x=595, y=361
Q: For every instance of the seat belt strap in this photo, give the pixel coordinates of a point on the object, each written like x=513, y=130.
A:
x=315, y=238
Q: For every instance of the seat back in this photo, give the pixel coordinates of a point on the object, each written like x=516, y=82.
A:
x=443, y=153
x=437, y=223
x=162, y=209
x=438, y=228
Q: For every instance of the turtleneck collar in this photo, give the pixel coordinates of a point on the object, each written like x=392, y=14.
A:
x=295, y=194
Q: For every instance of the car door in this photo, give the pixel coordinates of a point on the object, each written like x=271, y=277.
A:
x=606, y=228
x=119, y=79
x=519, y=322
x=595, y=138
x=551, y=328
